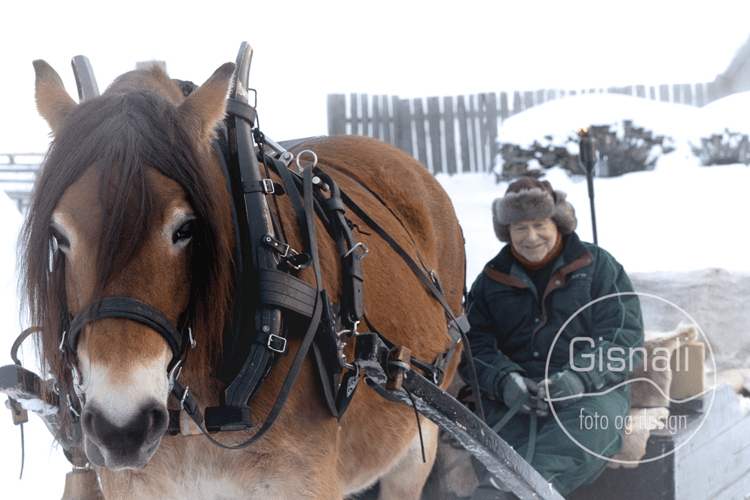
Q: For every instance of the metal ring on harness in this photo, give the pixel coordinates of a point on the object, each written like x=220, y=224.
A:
x=300, y=168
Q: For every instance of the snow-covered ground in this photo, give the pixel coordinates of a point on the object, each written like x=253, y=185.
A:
x=679, y=217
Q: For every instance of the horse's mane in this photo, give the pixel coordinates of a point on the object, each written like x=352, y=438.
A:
x=121, y=133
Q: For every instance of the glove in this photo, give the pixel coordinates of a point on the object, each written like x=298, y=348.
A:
x=563, y=388
x=513, y=387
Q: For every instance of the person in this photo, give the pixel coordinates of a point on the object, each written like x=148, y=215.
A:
x=553, y=327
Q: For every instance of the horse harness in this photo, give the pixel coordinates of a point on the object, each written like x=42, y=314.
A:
x=269, y=296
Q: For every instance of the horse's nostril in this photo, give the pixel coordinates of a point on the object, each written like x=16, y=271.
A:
x=159, y=421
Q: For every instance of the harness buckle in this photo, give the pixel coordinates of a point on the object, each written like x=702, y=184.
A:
x=276, y=343
x=268, y=186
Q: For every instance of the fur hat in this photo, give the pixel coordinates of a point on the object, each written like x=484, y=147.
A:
x=530, y=199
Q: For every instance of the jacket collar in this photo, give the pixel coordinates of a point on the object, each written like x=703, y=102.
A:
x=505, y=269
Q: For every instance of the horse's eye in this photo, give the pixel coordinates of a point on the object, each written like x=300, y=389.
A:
x=58, y=239
x=185, y=232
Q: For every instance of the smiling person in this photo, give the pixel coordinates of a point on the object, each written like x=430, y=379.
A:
x=545, y=279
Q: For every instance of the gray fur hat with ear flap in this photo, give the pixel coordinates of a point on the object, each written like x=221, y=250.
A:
x=530, y=199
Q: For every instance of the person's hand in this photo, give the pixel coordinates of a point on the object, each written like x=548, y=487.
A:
x=514, y=387
x=563, y=388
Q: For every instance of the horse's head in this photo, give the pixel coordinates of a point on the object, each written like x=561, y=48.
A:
x=130, y=203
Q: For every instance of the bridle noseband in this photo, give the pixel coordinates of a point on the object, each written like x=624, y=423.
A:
x=134, y=310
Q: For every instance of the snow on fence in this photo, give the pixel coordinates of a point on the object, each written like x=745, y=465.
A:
x=458, y=134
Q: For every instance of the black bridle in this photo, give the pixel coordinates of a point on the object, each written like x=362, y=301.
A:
x=131, y=309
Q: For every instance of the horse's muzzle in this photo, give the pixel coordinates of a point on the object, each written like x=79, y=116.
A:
x=128, y=446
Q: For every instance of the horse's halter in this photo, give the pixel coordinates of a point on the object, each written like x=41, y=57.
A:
x=135, y=310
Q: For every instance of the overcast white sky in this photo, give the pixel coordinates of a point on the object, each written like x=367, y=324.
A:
x=305, y=50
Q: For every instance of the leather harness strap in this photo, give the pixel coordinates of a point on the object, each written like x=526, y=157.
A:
x=125, y=308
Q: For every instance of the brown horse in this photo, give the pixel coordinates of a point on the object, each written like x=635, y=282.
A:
x=132, y=202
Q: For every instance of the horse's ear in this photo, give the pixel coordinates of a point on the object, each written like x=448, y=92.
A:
x=204, y=108
x=52, y=101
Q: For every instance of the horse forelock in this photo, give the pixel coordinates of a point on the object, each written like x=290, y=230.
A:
x=122, y=134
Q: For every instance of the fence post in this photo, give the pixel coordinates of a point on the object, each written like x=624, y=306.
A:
x=504, y=111
x=492, y=128
x=451, y=165
x=700, y=95
x=517, y=106
x=528, y=100
x=687, y=94
x=403, y=126
x=336, y=114
x=375, y=119
x=664, y=93
x=354, y=114
x=433, y=118
x=419, y=121
x=463, y=126
x=676, y=94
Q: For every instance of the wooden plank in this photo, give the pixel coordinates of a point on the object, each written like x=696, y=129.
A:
x=377, y=123
x=492, y=129
x=354, y=114
x=386, y=117
x=436, y=135
x=419, y=122
x=463, y=126
x=517, y=104
x=504, y=110
x=652, y=93
x=365, y=116
x=540, y=97
x=687, y=94
x=700, y=95
x=336, y=114
x=664, y=93
x=475, y=132
x=483, y=132
x=528, y=99
x=451, y=162
x=403, y=129
x=676, y=97
x=640, y=91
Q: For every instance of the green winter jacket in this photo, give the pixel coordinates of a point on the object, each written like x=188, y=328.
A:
x=515, y=327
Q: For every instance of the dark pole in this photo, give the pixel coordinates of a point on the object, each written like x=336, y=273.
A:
x=587, y=155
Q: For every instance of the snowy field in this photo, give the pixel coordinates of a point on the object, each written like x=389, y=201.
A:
x=679, y=217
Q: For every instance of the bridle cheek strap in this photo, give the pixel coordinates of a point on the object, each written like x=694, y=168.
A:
x=125, y=308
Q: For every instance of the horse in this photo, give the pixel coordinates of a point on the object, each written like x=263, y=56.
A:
x=131, y=201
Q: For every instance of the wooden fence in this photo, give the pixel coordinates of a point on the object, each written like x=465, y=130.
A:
x=458, y=134
x=449, y=134
x=17, y=175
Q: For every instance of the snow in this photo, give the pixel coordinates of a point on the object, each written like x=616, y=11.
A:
x=678, y=217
